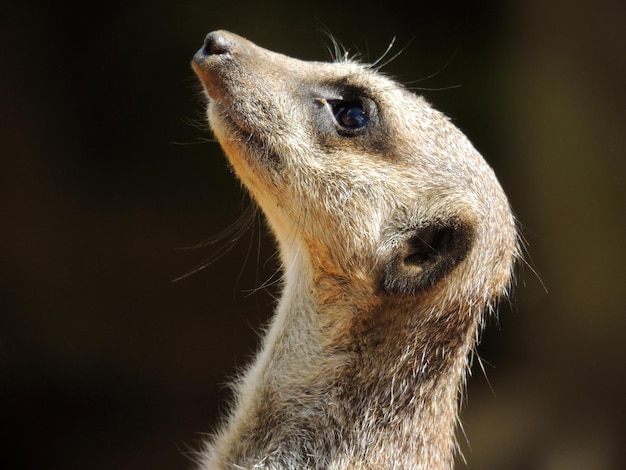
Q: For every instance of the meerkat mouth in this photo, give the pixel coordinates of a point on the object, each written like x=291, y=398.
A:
x=227, y=121
x=250, y=145
x=213, y=64
x=209, y=64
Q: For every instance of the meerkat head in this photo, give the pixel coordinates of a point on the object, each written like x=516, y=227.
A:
x=357, y=174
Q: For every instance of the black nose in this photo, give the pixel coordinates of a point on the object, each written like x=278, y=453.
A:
x=216, y=43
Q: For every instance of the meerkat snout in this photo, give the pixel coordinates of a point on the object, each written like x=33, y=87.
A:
x=395, y=239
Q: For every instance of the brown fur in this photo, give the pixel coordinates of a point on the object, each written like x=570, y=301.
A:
x=395, y=240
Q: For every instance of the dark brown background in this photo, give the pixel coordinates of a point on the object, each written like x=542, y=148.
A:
x=105, y=363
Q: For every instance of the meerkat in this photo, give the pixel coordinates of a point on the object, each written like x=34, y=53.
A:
x=395, y=239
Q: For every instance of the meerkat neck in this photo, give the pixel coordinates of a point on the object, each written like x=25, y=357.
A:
x=373, y=401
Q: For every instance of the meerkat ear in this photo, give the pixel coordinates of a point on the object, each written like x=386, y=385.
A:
x=425, y=255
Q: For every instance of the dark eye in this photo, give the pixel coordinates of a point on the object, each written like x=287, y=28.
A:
x=349, y=114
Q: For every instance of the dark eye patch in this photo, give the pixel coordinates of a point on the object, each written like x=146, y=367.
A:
x=345, y=115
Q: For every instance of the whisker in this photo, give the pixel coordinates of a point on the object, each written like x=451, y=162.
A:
x=384, y=54
x=231, y=234
x=437, y=72
x=377, y=67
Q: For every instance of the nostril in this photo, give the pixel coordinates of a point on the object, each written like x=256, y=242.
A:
x=216, y=44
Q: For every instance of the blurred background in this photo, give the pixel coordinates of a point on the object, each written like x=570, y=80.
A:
x=107, y=172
